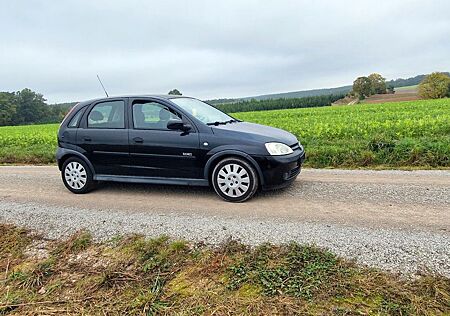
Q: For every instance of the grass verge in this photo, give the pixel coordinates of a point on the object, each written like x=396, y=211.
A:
x=134, y=275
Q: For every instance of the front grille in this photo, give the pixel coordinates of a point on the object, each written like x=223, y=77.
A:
x=296, y=146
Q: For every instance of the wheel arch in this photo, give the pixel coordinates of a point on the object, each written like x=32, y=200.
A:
x=214, y=159
x=63, y=154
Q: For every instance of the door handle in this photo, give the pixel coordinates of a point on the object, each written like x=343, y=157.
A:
x=87, y=139
x=138, y=140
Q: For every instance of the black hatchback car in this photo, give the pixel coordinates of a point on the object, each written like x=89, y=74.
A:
x=173, y=140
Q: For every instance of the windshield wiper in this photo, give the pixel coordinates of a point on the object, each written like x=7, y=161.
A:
x=216, y=123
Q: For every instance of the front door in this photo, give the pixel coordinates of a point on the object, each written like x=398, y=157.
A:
x=157, y=151
x=104, y=137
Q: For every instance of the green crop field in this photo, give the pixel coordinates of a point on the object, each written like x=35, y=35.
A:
x=389, y=135
x=403, y=134
x=28, y=144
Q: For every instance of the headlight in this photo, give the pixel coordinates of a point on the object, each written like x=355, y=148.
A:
x=278, y=149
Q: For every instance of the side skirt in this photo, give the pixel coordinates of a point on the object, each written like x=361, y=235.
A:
x=154, y=180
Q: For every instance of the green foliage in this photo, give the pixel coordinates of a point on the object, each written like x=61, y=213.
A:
x=158, y=254
x=7, y=107
x=31, y=107
x=435, y=86
x=174, y=92
x=362, y=86
x=276, y=104
x=31, y=144
x=304, y=270
x=28, y=107
x=377, y=83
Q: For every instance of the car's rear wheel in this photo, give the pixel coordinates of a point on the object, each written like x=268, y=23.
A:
x=234, y=179
x=77, y=176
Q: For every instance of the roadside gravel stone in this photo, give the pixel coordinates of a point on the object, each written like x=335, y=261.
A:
x=398, y=250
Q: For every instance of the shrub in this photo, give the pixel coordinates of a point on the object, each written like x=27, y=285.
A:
x=435, y=86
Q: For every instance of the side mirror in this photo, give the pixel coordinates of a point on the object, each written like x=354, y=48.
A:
x=178, y=125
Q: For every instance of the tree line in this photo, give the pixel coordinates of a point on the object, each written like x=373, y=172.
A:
x=278, y=104
x=400, y=82
x=28, y=107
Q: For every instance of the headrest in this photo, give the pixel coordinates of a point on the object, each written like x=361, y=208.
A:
x=96, y=116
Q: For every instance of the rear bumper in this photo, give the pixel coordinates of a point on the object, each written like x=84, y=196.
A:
x=60, y=152
x=280, y=171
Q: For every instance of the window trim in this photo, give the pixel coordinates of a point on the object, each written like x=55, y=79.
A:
x=108, y=101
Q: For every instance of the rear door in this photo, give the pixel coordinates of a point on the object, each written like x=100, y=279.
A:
x=157, y=151
x=103, y=135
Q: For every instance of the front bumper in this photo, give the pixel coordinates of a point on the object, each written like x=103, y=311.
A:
x=280, y=171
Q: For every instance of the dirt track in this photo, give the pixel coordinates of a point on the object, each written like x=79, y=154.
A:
x=391, y=199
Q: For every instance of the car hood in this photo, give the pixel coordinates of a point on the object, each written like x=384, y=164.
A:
x=255, y=132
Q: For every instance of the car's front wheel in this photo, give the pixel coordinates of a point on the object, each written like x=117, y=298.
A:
x=77, y=176
x=234, y=179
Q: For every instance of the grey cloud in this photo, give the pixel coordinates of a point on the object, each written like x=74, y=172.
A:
x=214, y=49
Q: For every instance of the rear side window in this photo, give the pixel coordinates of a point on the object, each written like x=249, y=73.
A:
x=110, y=114
x=75, y=119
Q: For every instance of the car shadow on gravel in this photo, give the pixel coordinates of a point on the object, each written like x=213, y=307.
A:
x=151, y=188
x=141, y=188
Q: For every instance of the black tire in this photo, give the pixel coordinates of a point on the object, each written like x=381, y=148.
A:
x=82, y=175
x=227, y=176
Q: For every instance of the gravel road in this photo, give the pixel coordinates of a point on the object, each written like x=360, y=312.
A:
x=395, y=220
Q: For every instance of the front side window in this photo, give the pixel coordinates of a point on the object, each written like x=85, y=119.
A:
x=201, y=110
x=107, y=115
x=152, y=115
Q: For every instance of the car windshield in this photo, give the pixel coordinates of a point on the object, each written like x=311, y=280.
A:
x=203, y=111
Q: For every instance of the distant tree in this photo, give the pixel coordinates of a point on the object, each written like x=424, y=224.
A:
x=174, y=92
x=7, y=107
x=378, y=83
x=363, y=87
x=31, y=108
x=435, y=86
x=390, y=89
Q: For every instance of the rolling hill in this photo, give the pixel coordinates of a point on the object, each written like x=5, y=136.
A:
x=397, y=83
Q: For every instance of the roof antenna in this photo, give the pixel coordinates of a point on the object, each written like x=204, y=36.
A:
x=102, y=86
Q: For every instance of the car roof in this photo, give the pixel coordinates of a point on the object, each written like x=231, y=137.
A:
x=154, y=96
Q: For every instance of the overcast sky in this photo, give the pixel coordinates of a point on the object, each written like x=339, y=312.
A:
x=213, y=49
